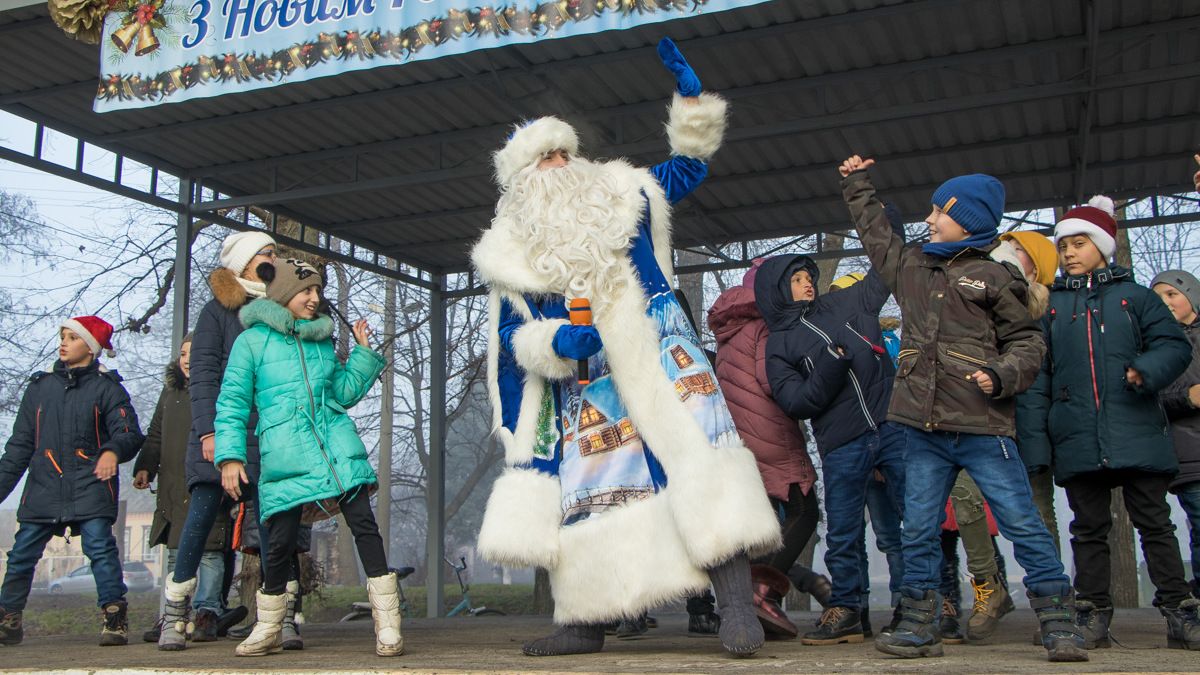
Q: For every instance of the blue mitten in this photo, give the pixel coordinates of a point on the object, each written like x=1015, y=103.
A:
x=686, y=81
x=576, y=342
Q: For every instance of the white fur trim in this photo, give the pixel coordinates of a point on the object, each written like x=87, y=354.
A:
x=521, y=522
x=621, y=563
x=529, y=142
x=532, y=347
x=1073, y=226
x=697, y=129
x=1005, y=252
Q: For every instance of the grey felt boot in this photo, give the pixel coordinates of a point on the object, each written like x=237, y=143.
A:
x=741, y=632
x=576, y=639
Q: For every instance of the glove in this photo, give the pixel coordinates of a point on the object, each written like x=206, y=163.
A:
x=686, y=81
x=576, y=342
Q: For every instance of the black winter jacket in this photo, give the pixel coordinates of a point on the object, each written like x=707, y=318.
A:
x=216, y=330
x=845, y=395
x=67, y=418
x=1081, y=415
x=1185, y=420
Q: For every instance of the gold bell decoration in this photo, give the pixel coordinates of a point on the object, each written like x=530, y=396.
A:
x=123, y=37
x=147, y=41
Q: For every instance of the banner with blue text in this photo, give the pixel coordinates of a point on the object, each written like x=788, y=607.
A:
x=164, y=51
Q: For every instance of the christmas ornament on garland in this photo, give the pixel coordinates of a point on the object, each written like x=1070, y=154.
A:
x=141, y=19
x=81, y=20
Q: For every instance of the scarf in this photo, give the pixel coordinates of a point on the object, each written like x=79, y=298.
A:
x=254, y=289
x=949, y=249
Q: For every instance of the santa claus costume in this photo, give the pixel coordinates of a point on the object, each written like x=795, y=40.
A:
x=632, y=489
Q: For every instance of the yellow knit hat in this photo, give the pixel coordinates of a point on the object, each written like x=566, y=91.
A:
x=1041, y=251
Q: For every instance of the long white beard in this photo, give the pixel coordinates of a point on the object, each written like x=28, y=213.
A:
x=568, y=219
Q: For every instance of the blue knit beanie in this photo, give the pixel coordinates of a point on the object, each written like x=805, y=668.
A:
x=975, y=201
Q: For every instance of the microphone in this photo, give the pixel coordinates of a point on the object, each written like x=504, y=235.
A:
x=581, y=315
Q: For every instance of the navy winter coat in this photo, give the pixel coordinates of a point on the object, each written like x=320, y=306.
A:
x=67, y=418
x=1081, y=416
x=212, y=339
x=845, y=395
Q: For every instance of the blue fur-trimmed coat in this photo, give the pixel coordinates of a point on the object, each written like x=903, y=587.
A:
x=628, y=489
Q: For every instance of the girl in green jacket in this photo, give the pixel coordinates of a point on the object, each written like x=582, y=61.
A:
x=313, y=462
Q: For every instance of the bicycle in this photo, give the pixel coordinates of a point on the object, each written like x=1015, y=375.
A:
x=464, y=605
x=362, y=610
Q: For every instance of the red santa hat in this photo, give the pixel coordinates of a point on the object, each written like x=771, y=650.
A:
x=1096, y=220
x=93, y=330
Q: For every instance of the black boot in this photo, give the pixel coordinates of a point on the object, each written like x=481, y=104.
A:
x=205, y=626
x=950, y=626
x=230, y=618
x=817, y=585
x=152, y=634
x=1183, y=625
x=838, y=625
x=740, y=631
x=1092, y=623
x=1056, y=618
x=896, y=615
x=241, y=633
x=629, y=629
x=916, y=635
x=577, y=639
x=702, y=620
x=115, y=629
x=864, y=616
x=11, y=629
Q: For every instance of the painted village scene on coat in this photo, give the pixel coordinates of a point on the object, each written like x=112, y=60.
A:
x=610, y=336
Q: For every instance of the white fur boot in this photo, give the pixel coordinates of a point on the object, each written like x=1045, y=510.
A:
x=385, y=610
x=266, y=637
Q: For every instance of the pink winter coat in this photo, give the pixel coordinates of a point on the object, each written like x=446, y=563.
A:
x=776, y=440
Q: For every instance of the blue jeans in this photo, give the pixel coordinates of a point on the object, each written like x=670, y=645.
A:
x=1189, y=499
x=885, y=523
x=208, y=501
x=210, y=579
x=846, y=470
x=99, y=546
x=934, y=460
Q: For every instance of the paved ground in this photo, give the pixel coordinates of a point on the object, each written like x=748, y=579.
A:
x=492, y=644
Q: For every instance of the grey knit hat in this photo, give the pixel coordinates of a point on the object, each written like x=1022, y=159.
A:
x=1184, y=282
x=288, y=277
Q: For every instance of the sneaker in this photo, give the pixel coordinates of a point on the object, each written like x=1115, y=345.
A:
x=11, y=629
x=992, y=602
x=206, y=626
x=950, y=627
x=837, y=625
x=115, y=628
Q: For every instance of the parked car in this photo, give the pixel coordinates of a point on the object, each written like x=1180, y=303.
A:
x=137, y=576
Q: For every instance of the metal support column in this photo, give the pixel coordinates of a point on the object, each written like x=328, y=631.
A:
x=435, y=488
x=387, y=407
x=183, y=267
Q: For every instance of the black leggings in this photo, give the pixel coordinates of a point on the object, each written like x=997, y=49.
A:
x=800, y=517
x=285, y=526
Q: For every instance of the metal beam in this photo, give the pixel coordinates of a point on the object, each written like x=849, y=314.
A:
x=873, y=73
x=435, y=471
x=1088, y=111
x=183, y=266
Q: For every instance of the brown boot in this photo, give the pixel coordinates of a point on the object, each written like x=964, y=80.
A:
x=770, y=587
x=992, y=602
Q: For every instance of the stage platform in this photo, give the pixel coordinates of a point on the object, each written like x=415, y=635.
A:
x=493, y=644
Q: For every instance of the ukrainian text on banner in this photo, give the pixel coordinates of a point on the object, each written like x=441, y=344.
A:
x=163, y=51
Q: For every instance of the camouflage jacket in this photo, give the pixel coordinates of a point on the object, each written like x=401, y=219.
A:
x=961, y=315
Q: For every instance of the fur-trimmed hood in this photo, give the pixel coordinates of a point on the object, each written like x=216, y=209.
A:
x=174, y=377
x=1038, y=298
x=276, y=317
x=227, y=289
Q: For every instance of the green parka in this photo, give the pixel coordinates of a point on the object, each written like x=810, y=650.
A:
x=308, y=445
x=1081, y=415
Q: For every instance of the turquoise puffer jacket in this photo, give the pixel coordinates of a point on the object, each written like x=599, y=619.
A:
x=309, y=447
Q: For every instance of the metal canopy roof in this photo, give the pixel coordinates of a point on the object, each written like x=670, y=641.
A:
x=1058, y=98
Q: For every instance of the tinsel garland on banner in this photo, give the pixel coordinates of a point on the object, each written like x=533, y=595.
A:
x=400, y=46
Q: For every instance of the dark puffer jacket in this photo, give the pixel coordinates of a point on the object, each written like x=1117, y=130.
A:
x=216, y=330
x=163, y=457
x=1185, y=419
x=844, y=394
x=960, y=315
x=67, y=418
x=776, y=440
x=1081, y=416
